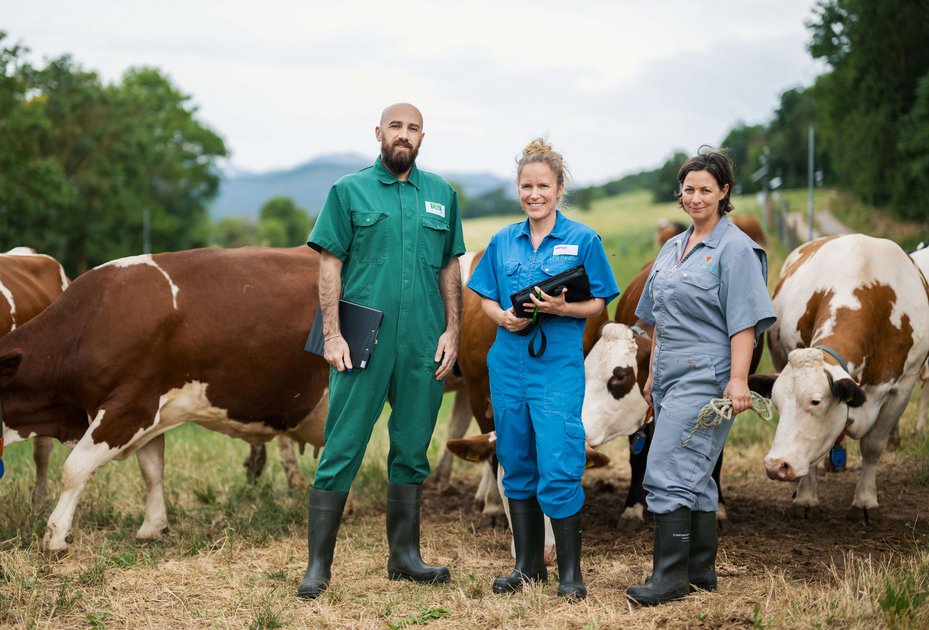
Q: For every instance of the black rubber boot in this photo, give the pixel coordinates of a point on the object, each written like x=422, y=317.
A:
x=405, y=562
x=568, y=549
x=668, y=580
x=701, y=568
x=529, y=540
x=323, y=519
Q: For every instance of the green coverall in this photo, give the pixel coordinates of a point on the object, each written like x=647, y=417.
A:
x=393, y=237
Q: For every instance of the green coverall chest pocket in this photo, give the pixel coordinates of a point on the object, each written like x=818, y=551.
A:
x=432, y=240
x=369, y=242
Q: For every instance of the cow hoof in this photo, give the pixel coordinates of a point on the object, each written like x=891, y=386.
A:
x=723, y=525
x=801, y=511
x=630, y=524
x=492, y=521
x=868, y=516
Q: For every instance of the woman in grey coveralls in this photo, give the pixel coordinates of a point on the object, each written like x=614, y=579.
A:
x=708, y=300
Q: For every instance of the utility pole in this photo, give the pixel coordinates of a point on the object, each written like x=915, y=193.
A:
x=809, y=203
x=146, y=230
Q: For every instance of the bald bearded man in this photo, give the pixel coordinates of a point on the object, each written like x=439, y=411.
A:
x=389, y=237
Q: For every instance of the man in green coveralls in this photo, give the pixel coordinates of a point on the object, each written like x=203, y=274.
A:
x=389, y=237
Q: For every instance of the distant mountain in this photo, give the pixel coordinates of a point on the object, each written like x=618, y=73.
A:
x=242, y=194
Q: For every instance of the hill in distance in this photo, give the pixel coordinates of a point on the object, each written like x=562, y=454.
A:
x=242, y=194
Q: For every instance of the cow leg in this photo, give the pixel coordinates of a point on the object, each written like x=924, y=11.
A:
x=151, y=458
x=457, y=426
x=806, y=499
x=296, y=482
x=633, y=517
x=923, y=403
x=722, y=519
x=255, y=462
x=489, y=495
x=41, y=451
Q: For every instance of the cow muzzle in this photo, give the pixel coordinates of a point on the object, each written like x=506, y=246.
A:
x=779, y=470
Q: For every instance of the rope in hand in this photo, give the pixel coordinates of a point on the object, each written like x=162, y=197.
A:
x=719, y=410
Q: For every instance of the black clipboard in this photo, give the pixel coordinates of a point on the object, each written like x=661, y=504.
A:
x=358, y=325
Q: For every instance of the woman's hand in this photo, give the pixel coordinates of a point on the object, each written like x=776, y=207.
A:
x=510, y=321
x=551, y=304
x=647, y=390
x=737, y=391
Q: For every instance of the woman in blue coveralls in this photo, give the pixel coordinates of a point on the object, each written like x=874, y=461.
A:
x=708, y=300
x=537, y=400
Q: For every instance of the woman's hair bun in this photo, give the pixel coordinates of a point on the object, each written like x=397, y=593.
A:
x=539, y=145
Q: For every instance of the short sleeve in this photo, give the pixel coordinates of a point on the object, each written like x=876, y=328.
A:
x=744, y=294
x=483, y=279
x=602, y=281
x=455, y=245
x=333, y=228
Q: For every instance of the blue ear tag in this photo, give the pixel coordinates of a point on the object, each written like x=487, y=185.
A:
x=837, y=456
x=639, y=443
x=1, y=468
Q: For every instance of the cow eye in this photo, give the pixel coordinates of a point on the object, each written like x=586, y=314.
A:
x=815, y=402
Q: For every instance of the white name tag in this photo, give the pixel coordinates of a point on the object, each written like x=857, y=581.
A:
x=565, y=250
x=437, y=209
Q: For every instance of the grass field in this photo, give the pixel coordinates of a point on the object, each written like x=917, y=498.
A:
x=235, y=552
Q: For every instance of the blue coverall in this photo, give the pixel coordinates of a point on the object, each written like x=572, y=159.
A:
x=537, y=401
x=696, y=305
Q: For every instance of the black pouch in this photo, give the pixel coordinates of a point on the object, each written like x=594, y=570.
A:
x=574, y=279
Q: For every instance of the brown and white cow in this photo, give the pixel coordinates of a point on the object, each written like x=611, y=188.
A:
x=29, y=283
x=921, y=258
x=851, y=335
x=142, y=344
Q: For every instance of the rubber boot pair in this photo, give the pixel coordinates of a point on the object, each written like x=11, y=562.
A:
x=405, y=562
x=669, y=580
x=324, y=515
x=528, y=524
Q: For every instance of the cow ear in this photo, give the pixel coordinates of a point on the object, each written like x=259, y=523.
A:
x=848, y=392
x=9, y=363
x=762, y=384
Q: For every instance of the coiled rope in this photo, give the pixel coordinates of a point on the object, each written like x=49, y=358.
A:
x=719, y=410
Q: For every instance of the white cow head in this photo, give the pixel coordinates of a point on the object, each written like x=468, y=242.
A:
x=613, y=402
x=813, y=400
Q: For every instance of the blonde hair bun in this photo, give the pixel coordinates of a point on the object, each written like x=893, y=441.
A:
x=539, y=145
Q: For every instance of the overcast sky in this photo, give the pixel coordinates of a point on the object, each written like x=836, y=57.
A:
x=615, y=85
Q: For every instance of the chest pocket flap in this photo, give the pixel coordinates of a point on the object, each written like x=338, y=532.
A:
x=366, y=219
x=701, y=279
x=432, y=240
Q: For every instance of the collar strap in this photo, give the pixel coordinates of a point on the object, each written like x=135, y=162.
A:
x=636, y=330
x=835, y=355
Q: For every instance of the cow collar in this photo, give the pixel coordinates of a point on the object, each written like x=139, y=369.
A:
x=835, y=355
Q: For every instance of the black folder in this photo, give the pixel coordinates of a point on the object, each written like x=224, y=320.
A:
x=574, y=279
x=358, y=325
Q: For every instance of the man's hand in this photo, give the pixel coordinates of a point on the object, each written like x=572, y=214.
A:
x=336, y=352
x=447, y=353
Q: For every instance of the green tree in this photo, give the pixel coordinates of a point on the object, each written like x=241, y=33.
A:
x=745, y=144
x=877, y=53
x=283, y=223
x=666, y=180
x=236, y=232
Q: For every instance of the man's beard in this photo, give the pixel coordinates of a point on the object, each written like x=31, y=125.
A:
x=397, y=160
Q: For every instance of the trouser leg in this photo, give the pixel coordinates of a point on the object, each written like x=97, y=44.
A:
x=405, y=562
x=529, y=539
x=324, y=514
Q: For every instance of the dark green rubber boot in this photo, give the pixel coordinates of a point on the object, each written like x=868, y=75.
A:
x=568, y=549
x=324, y=516
x=701, y=568
x=405, y=562
x=670, y=556
x=529, y=540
